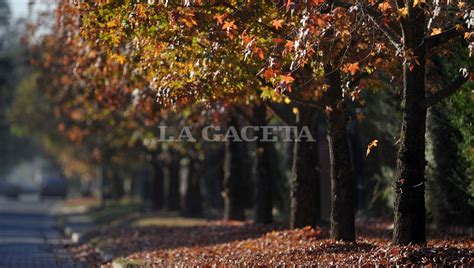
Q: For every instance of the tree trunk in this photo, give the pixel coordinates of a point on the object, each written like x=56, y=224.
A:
x=357, y=159
x=102, y=191
x=157, y=200
x=116, y=185
x=234, y=195
x=215, y=176
x=193, y=197
x=263, y=194
x=305, y=180
x=409, y=226
x=342, y=175
x=174, y=167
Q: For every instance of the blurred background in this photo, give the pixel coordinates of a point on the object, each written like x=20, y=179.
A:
x=37, y=160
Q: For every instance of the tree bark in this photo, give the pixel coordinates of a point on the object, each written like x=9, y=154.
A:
x=409, y=226
x=234, y=195
x=357, y=159
x=263, y=194
x=157, y=200
x=174, y=198
x=305, y=180
x=342, y=174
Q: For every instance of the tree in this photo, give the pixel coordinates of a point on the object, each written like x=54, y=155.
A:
x=308, y=48
x=419, y=28
x=265, y=180
x=232, y=88
x=305, y=191
x=449, y=172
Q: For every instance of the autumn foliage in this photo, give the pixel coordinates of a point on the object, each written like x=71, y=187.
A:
x=121, y=68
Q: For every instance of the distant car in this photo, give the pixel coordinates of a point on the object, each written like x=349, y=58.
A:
x=10, y=190
x=54, y=187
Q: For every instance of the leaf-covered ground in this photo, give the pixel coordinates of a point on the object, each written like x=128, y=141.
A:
x=243, y=243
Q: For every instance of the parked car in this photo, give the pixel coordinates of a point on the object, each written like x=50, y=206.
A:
x=10, y=190
x=53, y=187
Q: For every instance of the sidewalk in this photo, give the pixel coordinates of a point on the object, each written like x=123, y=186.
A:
x=28, y=237
x=75, y=223
x=81, y=223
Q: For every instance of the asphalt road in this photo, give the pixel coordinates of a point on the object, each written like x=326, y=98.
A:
x=28, y=237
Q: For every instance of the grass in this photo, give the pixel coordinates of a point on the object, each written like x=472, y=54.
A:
x=82, y=201
x=166, y=219
x=113, y=212
x=123, y=262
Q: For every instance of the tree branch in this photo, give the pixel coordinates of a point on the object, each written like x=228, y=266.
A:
x=357, y=79
x=287, y=120
x=445, y=92
x=390, y=30
x=293, y=97
x=442, y=38
x=244, y=114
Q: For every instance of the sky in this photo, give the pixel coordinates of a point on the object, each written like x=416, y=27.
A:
x=19, y=8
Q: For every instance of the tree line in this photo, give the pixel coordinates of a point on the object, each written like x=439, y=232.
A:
x=114, y=71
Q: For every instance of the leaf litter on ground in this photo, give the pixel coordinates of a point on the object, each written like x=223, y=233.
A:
x=244, y=243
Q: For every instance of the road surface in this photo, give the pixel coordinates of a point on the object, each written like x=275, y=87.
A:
x=28, y=237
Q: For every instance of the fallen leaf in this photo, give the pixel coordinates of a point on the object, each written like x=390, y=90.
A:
x=436, y=31
x=371, y=145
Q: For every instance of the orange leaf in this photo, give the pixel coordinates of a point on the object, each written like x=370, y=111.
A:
x=246, y=39
x=278, y=23
x=219, y=18
x=288, y=79
x=351, y=68
x=385, y=6
x=229, y=25
x=289, y=45
x=277, y=40
x=259, y=52
x=268, y=74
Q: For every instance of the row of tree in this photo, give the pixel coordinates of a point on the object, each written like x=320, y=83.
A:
x=115, y=70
